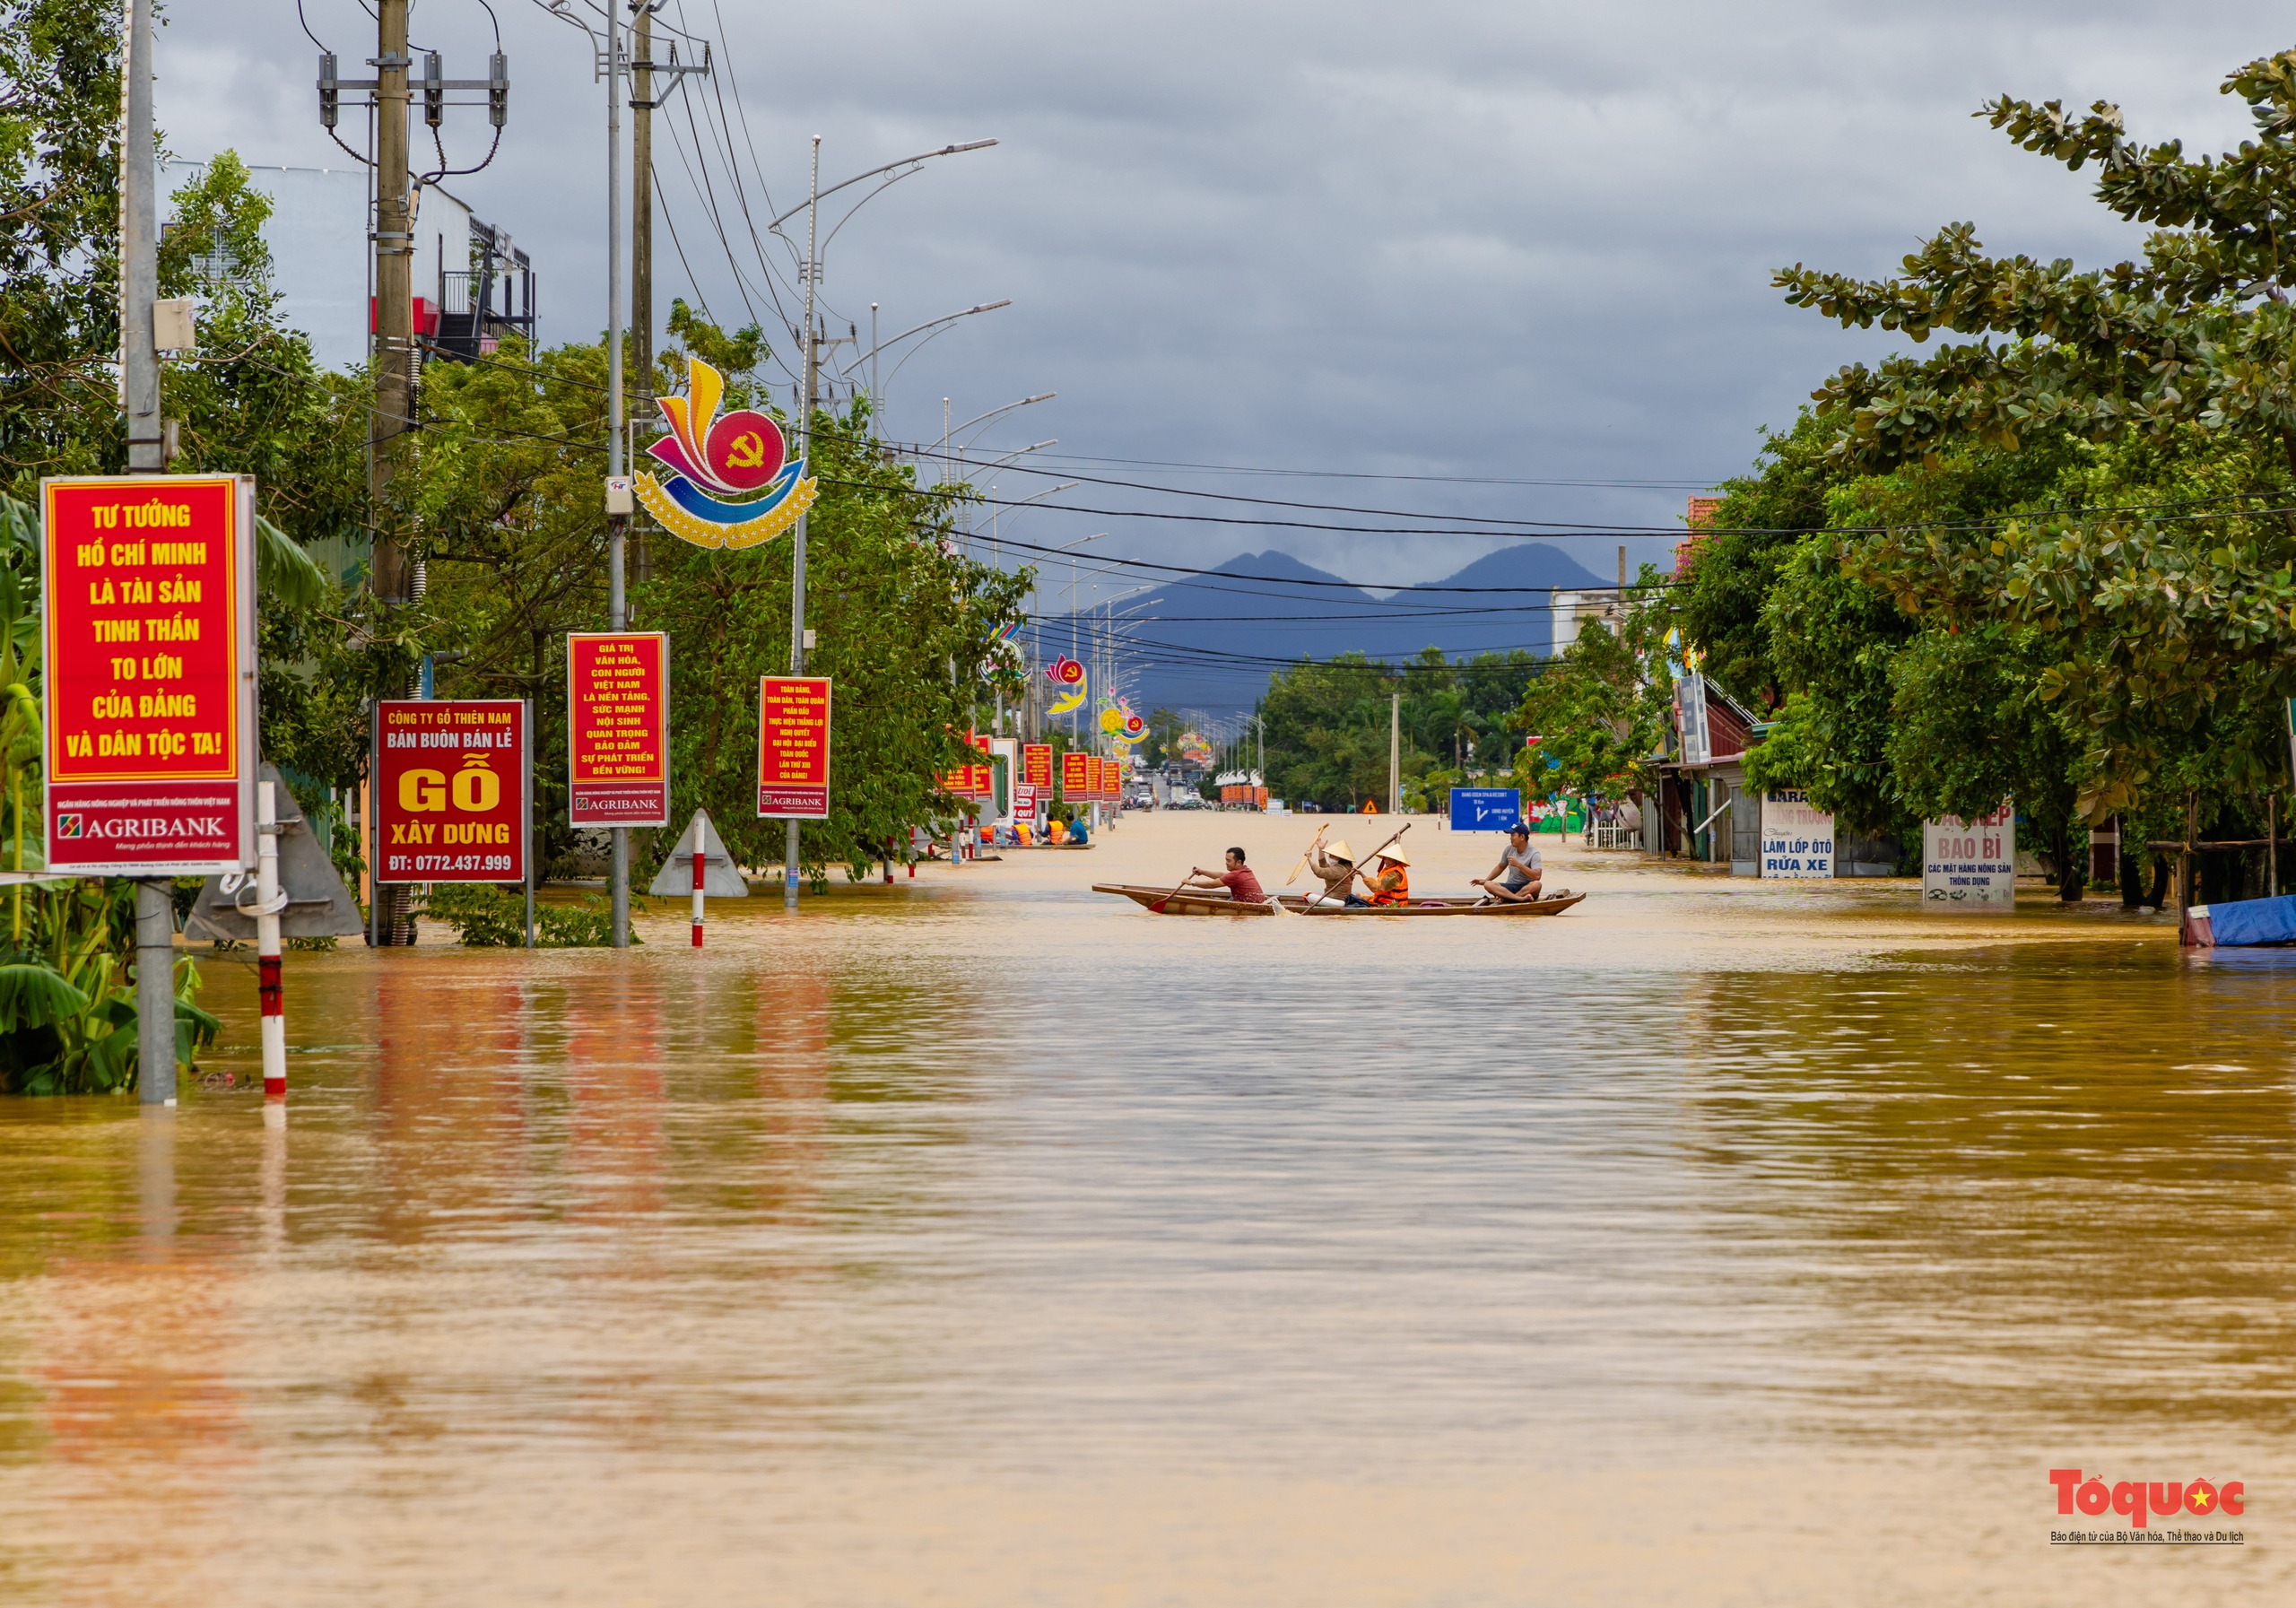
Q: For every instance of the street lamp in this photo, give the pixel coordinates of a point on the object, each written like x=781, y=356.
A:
x=939, y=327
x=811, y=209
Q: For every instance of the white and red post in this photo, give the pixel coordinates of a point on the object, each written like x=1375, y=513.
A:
x=697, y=861
x=268, y=904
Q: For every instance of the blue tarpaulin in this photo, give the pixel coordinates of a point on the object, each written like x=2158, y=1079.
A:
x=2245, y=924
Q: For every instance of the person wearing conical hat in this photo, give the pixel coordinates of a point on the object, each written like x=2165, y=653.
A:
x=1334, y=865
x=1389, y=878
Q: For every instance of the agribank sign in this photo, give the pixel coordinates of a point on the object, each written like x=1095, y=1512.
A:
x=148, y=636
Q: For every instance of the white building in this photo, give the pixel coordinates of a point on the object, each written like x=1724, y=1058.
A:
x=323, y=265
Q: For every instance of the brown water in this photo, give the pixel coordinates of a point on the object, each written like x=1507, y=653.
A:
x=985, y=1241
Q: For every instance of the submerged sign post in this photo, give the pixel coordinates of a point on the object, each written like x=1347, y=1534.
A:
x=452, y=800
x=618, y=750
x=149, y=692
x=792, y=747
x=1970, y=861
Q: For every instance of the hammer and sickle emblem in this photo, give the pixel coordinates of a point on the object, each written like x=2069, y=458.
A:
x=747, y=451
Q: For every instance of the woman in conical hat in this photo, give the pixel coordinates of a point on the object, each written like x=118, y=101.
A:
x=1334, y=865
x=1389, y=878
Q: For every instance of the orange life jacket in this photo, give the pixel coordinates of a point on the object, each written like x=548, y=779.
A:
x=1394, y=885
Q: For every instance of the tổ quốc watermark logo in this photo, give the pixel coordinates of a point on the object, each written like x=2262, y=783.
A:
x=2139, y=1504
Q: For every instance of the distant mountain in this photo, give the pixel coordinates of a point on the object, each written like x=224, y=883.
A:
x=1203, y=639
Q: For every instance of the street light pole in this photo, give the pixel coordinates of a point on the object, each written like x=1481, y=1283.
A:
x=797, y=537
x=617, y=525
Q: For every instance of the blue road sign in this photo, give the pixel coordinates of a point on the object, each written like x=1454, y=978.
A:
x=1484, y=809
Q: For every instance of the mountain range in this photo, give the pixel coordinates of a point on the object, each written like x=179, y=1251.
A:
x=1210, y=641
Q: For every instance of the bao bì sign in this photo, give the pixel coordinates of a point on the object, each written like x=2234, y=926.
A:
x=618, y=752
x=1970, y=861
x=452, y=801
x=1796, y=841
x=148, y=633
x=792, y=747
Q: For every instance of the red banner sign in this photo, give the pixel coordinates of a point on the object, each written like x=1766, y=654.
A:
x=792, y=747
x=451, y=797
x=1076, y=777
x=1036, y=765
x=618, y=741
x=149, y=661
x=1111, y=781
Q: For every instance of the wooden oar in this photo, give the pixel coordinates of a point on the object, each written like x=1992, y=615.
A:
x=1302, y=866
x=1158, y=908
x=1375, y=854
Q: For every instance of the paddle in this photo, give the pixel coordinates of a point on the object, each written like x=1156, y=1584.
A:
x=1374, y=855
x=1302, y=866
x=1158, y=908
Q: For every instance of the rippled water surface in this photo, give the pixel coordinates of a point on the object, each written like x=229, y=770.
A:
x=985, y=1241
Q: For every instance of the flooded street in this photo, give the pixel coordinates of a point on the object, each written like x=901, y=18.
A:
x=985, y=1241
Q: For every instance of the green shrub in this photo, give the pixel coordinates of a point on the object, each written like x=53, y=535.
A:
x=484, y=917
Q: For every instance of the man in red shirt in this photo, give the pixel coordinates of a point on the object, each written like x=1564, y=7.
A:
x=1238, y=879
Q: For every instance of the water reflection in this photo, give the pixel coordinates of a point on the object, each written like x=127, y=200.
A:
x=858, y=1241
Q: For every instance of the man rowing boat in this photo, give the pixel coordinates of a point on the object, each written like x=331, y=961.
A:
x=1520, y=874
x=1242, y=885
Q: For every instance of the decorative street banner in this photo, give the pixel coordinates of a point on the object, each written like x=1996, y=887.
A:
x=1796, y=841
x=1078, y=777
x=1971, y=862
x=1111, y=781
x=453, y=801
x=1036, y=764
x=724, y=482
x=792, y=747
x=1485, y=809
x=618, y=738
x=148, y=697
x=1068, y=675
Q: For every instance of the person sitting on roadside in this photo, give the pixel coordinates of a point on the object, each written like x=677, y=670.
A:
x=1520, y=874
x=1242, y=885
x=1389, y=878
x=1333, y=863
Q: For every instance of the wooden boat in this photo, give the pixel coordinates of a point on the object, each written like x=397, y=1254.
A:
x=1471, y=905
x=1206, y=901
x=1188, y=902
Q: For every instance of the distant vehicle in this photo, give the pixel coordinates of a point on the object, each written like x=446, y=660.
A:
x=1309, y=806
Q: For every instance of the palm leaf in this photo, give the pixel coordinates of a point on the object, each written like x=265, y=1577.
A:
x=33, y=996
x=284, y=570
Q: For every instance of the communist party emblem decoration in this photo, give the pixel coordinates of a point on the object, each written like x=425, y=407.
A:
x=724, y=483
x=1068, y=675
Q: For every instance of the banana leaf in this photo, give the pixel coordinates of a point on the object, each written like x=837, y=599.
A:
x=35, y=996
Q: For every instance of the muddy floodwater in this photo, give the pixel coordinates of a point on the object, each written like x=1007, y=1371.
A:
x=985, y=1241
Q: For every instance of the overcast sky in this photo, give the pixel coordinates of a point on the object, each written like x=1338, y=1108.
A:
x=1519, y=241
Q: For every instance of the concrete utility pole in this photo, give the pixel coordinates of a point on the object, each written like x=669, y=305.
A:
x=139, y=358
x=388, y=424
x=1395, y=753
x=641, y=219
x=805, y=451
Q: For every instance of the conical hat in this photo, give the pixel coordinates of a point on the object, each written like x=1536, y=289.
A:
x=1338, y=849
x=1394, y=851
